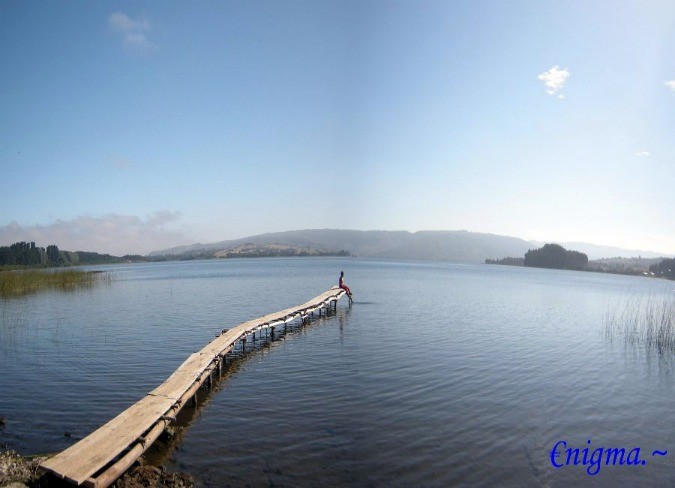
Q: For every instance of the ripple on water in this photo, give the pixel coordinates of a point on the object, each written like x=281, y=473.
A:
x=438, y=375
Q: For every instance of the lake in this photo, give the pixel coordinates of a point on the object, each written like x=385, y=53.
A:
x=439, y=374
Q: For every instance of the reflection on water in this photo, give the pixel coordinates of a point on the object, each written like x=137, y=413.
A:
x=444, y=374
x=160, y=452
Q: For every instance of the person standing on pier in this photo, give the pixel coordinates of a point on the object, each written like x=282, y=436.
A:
x=342, y=285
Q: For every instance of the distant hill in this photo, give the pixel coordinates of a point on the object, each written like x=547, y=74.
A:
x=598, y=252
x=456, y=246
x=273, y=250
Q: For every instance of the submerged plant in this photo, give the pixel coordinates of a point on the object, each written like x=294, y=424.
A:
x=649, y=322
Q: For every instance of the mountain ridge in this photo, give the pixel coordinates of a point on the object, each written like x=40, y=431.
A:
x=441, y=245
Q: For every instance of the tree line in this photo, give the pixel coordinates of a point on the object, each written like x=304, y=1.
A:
x=27, y=254
x=555, y=256
x=664, y=269
x=507, y=261
x=550, y=256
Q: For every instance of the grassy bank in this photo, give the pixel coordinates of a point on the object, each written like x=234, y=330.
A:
x=21, y=282
x=649, y=322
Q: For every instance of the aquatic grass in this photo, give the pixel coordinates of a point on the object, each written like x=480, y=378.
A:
x=21, y=282
x=649, y=322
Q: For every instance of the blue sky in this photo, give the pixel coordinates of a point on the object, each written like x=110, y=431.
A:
x=127, y=127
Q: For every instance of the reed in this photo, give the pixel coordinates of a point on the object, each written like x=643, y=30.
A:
x=15, y=283
x=649, y=322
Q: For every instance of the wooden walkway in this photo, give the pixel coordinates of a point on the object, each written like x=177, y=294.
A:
x=105, y=454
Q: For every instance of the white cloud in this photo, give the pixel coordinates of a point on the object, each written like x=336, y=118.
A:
x=113, y=234
x=554, y=79
x=124, y=23
x=670, y=84
x=642, y=154
x=134, y=33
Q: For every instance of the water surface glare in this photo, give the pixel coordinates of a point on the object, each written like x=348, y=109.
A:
x=438, y=375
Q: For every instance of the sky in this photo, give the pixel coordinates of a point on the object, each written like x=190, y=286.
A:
x=133, y=126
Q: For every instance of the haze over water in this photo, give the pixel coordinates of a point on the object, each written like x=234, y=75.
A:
x=439, y=374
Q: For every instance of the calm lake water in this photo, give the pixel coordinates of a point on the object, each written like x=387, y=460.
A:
x=438, y=375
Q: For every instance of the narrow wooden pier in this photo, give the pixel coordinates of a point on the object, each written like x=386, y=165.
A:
x=105, y=454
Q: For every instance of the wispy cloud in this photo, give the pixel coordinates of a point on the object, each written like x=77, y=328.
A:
x=113, y=234
x=642, y=154
x=554, y=80
x=670, y=84
x=134, y=33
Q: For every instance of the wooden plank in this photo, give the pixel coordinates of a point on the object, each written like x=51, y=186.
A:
x=231, y=336
x=183, y=377
x=86, y=457
x=81, y=461
x=109, y=476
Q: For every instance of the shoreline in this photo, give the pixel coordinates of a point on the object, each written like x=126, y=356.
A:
x=18, y=471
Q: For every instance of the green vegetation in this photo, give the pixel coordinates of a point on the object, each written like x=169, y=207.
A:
x=506, y=261
x=21, y=255
x=251, y=250
x=550, y=256
x=28, y=255
x=664, y=269
x=638, y=266
x=24, y=254
x=555, y=256
x=649, y=322
x=21, y=282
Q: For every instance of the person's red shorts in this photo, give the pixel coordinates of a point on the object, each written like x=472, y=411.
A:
x=346, y=288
